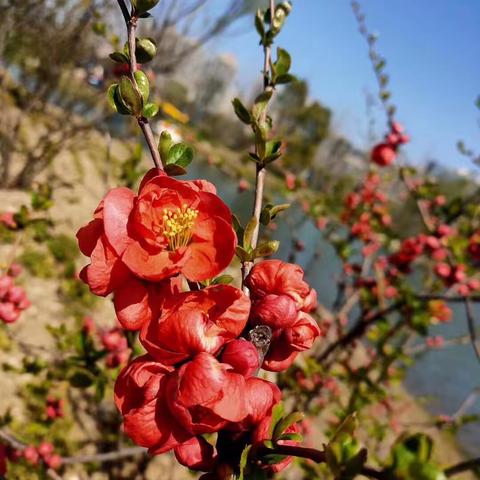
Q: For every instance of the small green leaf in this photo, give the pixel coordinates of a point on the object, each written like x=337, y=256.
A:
x=242, y=254
x=180, y=154
x=283, y=63
x=143, y=85
x=223, y=280
x=243, y=462
x=164, y=146
x=260, y=104
x=276, y=209
x=119, y=57
x=287, y=78
x=120, y=105
x=259, y=23
x=266, y=249
x=150, y=110
x=145, y=50
x=130, y=96
x=111, y=96
x=174, y=170
x=277, y=414
x=249, y=230
x=81, y=378
x=142, y=6
x=294, y=437
x=241, y=111
x=286, y=422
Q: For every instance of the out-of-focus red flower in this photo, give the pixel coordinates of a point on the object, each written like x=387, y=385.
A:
x=242, y=356
x=13, y=300
x=196, y=454
x=194, y=322
x=474, y=246
x=115, y=342
x=243, y=185
x=140, y=397
x=8, y=220
x=30, y=454
x=383, y=154
x=204, y=395
x=54, y=408
x=290, y=180
x=440, y=311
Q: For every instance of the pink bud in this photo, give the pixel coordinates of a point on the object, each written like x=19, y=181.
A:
x=30, y=454
x=45, y=449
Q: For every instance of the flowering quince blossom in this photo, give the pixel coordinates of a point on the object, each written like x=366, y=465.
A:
x=13, y=300
x=385, y=153
x=194, y=322
x=136, y=243
x=168, y=408
x=282, y=300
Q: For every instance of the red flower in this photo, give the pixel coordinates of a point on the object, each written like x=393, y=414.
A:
x=242, y=356
x=196, y=454
x=281, y=300
x=194, y=322
x=140, y=397
x=171, y=227
x=383, y=154
x=260, y=397
x=204, y=395
x=303, y=333
x=280, y=278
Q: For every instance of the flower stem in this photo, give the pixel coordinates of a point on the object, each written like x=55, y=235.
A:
x=131, y=23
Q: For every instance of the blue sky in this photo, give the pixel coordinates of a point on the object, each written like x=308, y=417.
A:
x=432, y=49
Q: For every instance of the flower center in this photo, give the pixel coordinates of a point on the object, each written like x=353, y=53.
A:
x=178, y=226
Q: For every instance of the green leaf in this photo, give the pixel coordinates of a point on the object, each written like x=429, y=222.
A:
x=287, y=78
x=260, y=104
x=243, y=462
x=283, y=63
x=111, y=96
x=180, y=154
x=277, y=414
x=241, y=111
x=150, y=110
x=143, y=85
x=120, y=105
x=130, y=96
x=294, y=437
x=242, y=254
x=119, y=57
x=266, y=249
x=164, y=145
x=249, y=230
x=81, y=378
x=173, y=170
x=223, y=280
x=142, y=6
x=286, y=422
x=276, y=209
x=145, y=50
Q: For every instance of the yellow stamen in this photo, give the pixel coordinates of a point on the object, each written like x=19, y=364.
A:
x=178, y=226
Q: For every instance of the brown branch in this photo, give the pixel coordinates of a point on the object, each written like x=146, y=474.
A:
x=131, y=23
x=358, y=330
x=461, y=467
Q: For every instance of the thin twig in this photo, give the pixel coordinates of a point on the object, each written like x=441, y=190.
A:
x=131, y=23
x=260, y=169
x=461, y=467
x=471, y=326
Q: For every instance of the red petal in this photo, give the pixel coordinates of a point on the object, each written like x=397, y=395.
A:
x=211, y=249
x=132, y=304
x=88, y=236
x=153, y=267
x=118, y=204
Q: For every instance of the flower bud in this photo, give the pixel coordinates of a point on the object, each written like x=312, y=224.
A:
x=276, y=311
x=242, y=356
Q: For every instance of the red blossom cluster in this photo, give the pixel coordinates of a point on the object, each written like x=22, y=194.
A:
x=54, y=408
x=13, y=299
x=116, y=344
x=385, y=153
x=198, y=375
x=43, y=454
